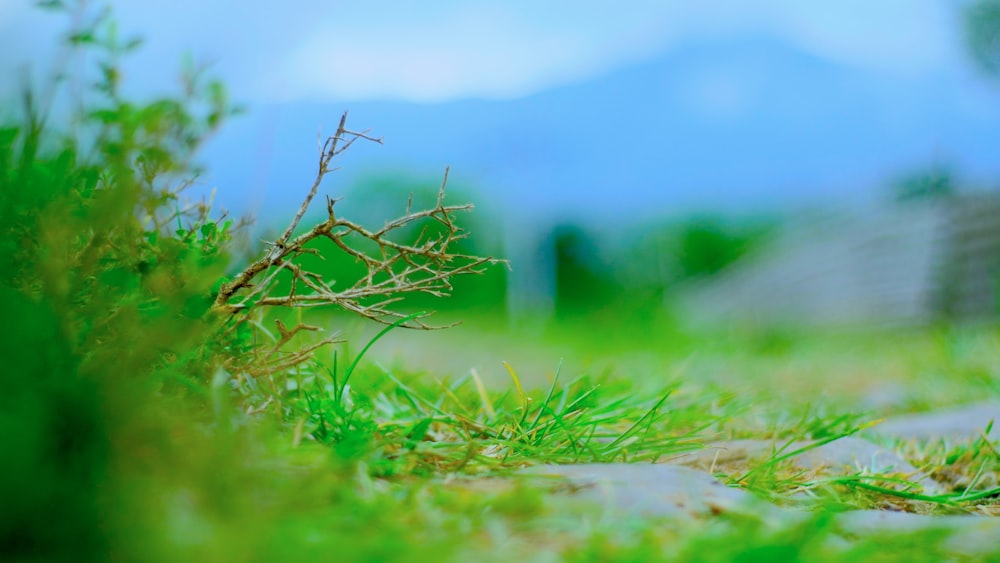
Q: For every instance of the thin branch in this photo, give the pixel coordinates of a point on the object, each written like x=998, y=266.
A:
x=393, y=267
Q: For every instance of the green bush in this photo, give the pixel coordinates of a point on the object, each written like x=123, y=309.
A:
x=126, y=328
x=106, y=288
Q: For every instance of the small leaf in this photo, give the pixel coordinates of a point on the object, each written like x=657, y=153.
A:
x=82, y=38
x=418, y=432
x=106, y=116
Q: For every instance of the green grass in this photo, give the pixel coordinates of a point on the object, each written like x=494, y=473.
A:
x=125, y=437
x=379, y=463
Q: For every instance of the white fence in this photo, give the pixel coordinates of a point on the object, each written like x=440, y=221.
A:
x=912, y=263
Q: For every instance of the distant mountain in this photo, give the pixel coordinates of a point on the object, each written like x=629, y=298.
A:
x=744, y=123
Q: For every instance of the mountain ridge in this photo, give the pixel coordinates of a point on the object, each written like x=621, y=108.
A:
x=751, y=122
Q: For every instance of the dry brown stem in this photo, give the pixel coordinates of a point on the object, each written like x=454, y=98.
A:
x=393, y=268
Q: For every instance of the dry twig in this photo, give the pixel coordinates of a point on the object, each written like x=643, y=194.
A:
x=393, y=268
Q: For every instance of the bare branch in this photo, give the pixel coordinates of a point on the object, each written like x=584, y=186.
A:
x=394, y=268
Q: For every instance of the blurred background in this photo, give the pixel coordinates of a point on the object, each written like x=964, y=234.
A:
x=784, y=214
x=643, y=165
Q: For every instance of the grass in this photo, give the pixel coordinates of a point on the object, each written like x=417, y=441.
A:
x=377, y=462
x=125, y=438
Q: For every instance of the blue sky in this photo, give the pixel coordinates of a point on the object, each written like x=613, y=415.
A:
x=446, y=50
x=760, y=102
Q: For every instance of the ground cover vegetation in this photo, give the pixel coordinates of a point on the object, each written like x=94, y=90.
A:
x=167, y=398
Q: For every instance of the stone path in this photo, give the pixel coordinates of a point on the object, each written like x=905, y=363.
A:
x=684, y=486
x=963, y=423
x=647, y=489
x=966, y=534
x=846, y=455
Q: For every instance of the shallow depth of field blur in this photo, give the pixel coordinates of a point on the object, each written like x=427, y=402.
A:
x=793, y=207
x=828, y=165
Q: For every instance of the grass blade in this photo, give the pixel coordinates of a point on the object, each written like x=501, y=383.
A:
x=383, y=332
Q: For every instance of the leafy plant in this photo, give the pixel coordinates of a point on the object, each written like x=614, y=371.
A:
x=107, y=280
x=117, y=313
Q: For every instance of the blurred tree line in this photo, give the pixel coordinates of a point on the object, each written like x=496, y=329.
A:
x=383, y=197
x=982, y=30
x=635, y=276
x=634, y=273
x=630, y=274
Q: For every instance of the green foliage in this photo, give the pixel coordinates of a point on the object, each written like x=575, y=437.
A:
x=399, y=426
x=982, y=27
x=54, y=435
x=703, y=246
x=631, y=285
x=87, y=223
x=124, y=440
x=383, y=197
x=105, y=285
x=935, y=183
x=115, y=406
x=378, y=199
x=583, y=282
